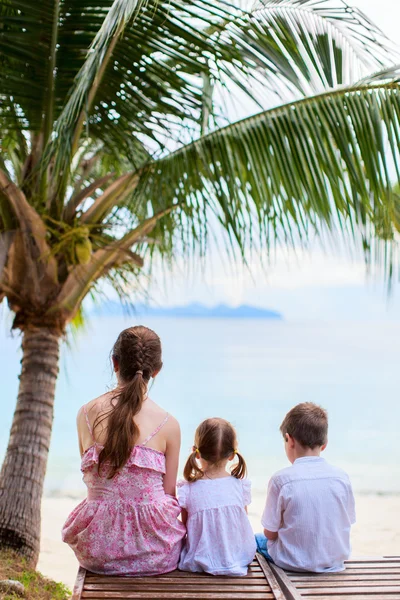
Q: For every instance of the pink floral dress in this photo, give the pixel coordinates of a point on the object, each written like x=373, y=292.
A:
x=127, y=525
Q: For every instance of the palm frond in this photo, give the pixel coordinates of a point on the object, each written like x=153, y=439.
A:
x=76, y=200
x=70, y=123
x=148, y=80
x=28, y=40
x=323, y=163
x=289, y=49
x=110, y=198
x=328, y=42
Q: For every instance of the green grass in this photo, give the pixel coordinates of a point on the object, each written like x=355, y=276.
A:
x=38, y=587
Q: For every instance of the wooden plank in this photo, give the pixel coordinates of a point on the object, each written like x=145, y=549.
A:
x=270, y=577
x=286, y=585
x=79, y=582
x=372, y=564
x=355, y=567
x=378, y=559
x=131, y=586
x=383, y=570
x=254, y=582
x=352, y=591
x=254, y=566
x=346, y=577
x=176, y=576
x=171, y=595
x=358, y=597
x=368, y=585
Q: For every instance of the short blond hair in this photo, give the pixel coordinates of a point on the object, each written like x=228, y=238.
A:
x=307, y=423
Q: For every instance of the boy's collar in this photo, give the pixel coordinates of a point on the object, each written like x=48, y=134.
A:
x=308, y=458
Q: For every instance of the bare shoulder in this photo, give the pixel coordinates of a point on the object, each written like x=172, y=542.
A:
x=173, y=425
x=172, y=432
x=93, y=407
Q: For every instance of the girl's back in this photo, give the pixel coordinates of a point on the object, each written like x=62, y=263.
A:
x=129, y=523
x=140, y=480
x=220, y=540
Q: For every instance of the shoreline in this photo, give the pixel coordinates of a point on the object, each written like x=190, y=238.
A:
x=376, y=533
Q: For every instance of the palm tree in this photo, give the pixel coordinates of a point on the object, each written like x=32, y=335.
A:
x=118, y=143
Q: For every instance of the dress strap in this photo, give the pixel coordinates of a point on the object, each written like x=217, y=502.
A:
x=155, y=431
x=88, y=422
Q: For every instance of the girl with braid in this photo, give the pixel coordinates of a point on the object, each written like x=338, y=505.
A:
x=128, y=525
x=220, y=540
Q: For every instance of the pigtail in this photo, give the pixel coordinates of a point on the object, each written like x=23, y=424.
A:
x=192, y=471
x=240, y=470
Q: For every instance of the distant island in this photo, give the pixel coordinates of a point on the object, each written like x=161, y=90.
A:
x=195, y=310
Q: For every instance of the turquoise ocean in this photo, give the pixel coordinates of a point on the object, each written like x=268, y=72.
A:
x=248, y=371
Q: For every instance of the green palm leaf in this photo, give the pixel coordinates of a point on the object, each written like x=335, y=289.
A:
x=314, y=165
x=317, y=44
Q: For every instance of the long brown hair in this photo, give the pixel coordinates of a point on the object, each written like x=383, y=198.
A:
x=215, y=440
x=137, y=352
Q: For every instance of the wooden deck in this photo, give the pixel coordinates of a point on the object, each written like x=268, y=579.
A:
x=364, y=579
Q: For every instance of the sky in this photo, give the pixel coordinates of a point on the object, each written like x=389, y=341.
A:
x=319, y=284
x=385, y=13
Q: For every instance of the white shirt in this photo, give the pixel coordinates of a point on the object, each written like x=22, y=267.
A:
x=220, y=539
x=311, y=506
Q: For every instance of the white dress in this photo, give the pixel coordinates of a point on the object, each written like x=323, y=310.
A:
x=220, y=540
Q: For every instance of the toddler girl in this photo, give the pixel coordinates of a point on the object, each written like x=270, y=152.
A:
x=219, y=540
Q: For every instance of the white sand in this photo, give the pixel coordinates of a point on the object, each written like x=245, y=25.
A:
x=56, y=559
x=377, y=532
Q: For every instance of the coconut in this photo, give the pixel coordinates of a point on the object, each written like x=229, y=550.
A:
x=83, y=251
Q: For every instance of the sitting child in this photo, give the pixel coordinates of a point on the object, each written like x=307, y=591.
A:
x=219, y=539
x=310, y=505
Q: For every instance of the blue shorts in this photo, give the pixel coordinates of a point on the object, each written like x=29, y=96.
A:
x=262, y=546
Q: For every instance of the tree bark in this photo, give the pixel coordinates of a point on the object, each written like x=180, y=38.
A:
x=24, y=467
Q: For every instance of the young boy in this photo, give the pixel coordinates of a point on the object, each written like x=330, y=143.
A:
x=310, y=505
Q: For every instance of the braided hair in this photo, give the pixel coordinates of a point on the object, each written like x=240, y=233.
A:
x=137, y=352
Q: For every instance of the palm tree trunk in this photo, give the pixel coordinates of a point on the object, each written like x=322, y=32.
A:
x=24, y=466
